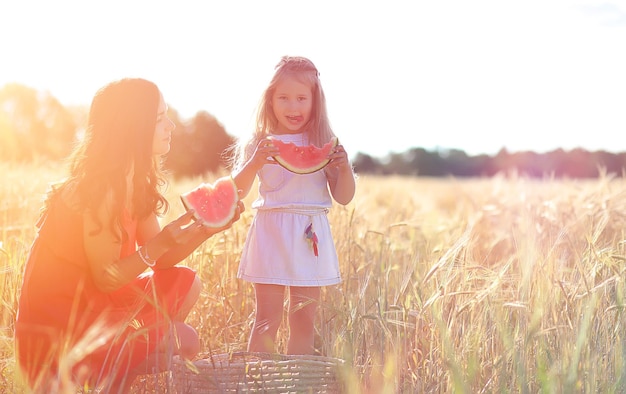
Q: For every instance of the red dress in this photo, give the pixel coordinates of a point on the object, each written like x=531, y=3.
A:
x=65, y=326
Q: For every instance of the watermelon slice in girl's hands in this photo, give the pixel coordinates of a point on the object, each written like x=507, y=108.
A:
x=213, y=204
x=303, y=159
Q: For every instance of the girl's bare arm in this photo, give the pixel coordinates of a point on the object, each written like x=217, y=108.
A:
x=340, y=176
x=244, y=177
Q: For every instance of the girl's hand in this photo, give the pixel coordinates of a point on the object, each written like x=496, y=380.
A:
x=263, y=153
x=339, y=158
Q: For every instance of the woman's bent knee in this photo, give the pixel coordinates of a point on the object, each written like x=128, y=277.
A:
x=190, y=299
x=188, y=340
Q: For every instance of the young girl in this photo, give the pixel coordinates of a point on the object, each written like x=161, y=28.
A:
x=89, y=315
x=289, y=244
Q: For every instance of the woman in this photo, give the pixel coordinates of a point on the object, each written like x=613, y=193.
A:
x=90, y=311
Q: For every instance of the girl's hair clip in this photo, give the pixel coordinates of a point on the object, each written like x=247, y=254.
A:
x=297, y=63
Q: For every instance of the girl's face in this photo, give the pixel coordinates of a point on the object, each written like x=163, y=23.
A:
x=292, y=103
x=163, y=131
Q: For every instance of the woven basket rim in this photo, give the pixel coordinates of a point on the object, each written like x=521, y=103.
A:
x=243, y=371
x=255, y=356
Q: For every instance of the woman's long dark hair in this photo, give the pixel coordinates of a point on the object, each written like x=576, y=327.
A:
x=118, y=139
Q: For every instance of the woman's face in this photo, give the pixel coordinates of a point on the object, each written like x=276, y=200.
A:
x=163, y=131
x=292, y=103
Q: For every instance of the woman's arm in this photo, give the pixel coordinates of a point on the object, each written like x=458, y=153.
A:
x=167, y=247
x=103, y=246
x=151, y=238
x=159, y=250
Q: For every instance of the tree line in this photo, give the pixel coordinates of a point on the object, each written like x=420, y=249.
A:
x=575, y=164
x=35, y=126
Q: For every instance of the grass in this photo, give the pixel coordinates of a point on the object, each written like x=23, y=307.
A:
x=505, y=284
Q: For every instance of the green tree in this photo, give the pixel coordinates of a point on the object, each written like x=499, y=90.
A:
x=198, y=146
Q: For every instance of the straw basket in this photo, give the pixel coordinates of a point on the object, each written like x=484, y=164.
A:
x=246, y=372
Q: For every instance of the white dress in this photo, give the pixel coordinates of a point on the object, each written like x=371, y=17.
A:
x=277, y=250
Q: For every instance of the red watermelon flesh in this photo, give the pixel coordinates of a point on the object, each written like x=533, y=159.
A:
x=303, y=159
x=214, y=204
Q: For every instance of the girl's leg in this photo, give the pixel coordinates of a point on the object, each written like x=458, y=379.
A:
x=303, y=303
x=269, y=313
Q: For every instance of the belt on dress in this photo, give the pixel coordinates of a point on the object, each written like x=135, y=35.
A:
x=298, y=211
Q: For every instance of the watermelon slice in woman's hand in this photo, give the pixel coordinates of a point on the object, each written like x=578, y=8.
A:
x=303, y=159
x=213, y=204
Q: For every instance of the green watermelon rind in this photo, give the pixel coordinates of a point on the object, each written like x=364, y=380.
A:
x=188, y=203
x=291, y=148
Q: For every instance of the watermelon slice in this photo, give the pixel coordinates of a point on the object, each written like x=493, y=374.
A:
x=214, y=204
x=303, y=159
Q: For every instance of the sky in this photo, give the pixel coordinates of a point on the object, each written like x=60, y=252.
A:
x=474, y=75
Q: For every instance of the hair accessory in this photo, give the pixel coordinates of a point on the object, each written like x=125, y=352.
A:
x=311, y=237
x=146, y=259
x=297, y=63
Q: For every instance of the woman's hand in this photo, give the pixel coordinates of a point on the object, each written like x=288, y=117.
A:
x=179, y=231
x=209, y=231
x=182, y=236
x=185, y=229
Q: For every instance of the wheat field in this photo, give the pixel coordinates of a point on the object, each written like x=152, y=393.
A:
x=504, y=284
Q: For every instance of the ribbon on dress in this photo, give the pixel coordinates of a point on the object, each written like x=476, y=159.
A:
x=310, y=235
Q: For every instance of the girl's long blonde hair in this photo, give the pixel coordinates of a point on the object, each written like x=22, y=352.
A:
x=318, y=127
